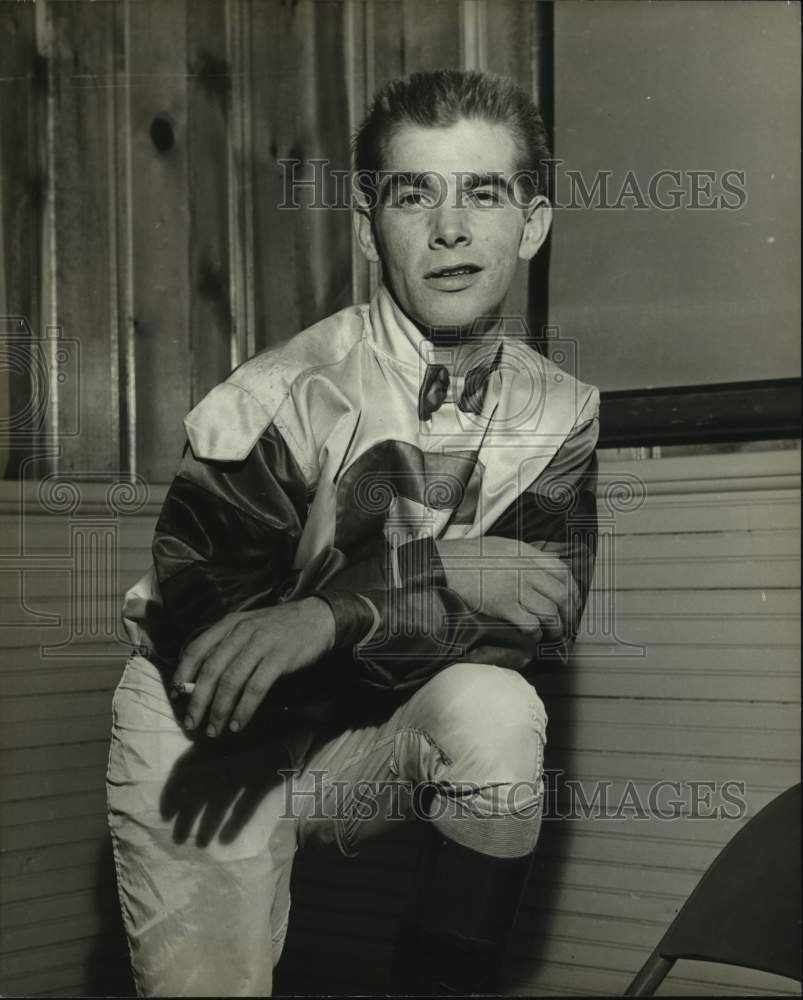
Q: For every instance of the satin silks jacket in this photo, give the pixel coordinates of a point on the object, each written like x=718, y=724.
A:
x=310, y=471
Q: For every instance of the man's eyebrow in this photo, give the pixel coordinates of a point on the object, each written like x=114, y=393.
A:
x=424, y=178
x=429, y=178
x=389, y=181
x=496, y=180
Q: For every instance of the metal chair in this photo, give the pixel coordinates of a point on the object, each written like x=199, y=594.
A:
x=745, y=910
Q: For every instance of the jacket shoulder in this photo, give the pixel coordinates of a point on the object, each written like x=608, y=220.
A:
x=562, y=388
x=230, y=419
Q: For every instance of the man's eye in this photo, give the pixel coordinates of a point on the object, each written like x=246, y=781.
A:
x=484, y=196
x=414, y=199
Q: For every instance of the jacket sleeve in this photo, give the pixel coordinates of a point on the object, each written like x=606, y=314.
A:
x=414, y=625
x=558, y=514
x=226, y=539
x=226, y=536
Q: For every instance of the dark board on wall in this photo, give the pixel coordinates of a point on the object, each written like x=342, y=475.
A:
x=692, y=295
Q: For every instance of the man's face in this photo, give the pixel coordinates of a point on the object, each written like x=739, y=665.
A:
x=448, y=230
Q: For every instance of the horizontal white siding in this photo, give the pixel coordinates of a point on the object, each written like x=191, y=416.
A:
x=705, y=576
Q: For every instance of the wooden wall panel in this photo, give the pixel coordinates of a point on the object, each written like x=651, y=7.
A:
x=431, y=37
x=509, y=40
x=156, y=44
x=23, y=199
x=507, y=30
x=299, y=109
x=159, y=243
x=84, y=177
x=386, y=40
x=209, y=95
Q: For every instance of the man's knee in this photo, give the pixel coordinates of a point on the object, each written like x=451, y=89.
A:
x=488, y=721
x=485, y=726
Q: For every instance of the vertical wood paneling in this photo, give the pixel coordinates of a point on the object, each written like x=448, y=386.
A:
x=473, y=34
x=540, y=85
x=389, y=42
x=84, y=189
x=358, y=39
x=431, y=35
x=508, y=27
x=23, y=193
x=510, y=50
x=165, y=129
x=239, y=152
x=300, y=112
x=122, y=212
x=385, y=47
x=161, y=231
x=209, y=101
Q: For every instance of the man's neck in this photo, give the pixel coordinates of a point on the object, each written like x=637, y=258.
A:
x=481, y=328
x=456, y=348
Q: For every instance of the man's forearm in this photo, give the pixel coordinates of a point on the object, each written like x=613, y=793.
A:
x=398, y=636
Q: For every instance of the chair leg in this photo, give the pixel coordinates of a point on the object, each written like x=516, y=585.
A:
x=650, y=976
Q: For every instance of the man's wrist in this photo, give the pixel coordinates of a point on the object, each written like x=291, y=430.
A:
x=352, y=615
x=323, y=613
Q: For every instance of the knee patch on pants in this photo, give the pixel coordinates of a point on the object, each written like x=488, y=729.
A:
x=482, y=754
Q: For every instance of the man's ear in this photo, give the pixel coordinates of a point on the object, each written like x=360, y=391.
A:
x=364, y=231
x=536, y=227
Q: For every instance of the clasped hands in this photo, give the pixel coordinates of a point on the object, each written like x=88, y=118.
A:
x=236, y=661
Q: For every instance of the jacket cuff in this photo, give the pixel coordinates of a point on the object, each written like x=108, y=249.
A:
x=353, y=616
x=419, y=564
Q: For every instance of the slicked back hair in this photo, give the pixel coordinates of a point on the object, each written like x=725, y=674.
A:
x=442, y=98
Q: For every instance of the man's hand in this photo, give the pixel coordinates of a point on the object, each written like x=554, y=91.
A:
x=236, y=661
x=510, y=580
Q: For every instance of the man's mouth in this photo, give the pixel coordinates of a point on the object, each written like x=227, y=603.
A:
x=454, y=271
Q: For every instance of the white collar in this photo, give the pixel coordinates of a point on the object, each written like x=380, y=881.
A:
x=399, y=340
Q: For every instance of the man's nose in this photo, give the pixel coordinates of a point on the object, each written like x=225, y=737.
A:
x=449, y=228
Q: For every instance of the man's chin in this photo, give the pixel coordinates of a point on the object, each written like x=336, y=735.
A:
x=455, y=313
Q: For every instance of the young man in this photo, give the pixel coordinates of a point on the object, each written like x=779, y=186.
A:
x=376, y=529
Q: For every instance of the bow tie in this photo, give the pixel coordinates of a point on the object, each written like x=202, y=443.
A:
x=436, y=384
